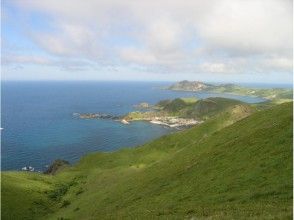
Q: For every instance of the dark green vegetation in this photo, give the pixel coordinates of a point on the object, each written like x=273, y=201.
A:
x=201, y=109
x=230, y=167
x=276, y=95
x=173, y=105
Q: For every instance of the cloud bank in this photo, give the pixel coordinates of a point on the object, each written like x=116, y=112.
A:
x=193, y=36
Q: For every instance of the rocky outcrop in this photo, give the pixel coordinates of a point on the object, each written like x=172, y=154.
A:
x=142, y=105
x=96, y=116
x=55, y=166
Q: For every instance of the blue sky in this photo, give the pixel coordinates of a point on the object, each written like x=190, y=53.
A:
x=214, y=40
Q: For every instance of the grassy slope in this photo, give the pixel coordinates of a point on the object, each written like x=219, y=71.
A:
x=190, y=108
x=241, y=171
x=206, y=108
x=189, y=99
x=23, y=195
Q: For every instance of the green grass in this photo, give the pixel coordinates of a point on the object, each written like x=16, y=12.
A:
x=225, y=168
x=206, y=108
x=189, y=100
x=176, y=105
x=200, y=109
x=24, y=195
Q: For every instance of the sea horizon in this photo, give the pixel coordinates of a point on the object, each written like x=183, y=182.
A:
x=245, y=84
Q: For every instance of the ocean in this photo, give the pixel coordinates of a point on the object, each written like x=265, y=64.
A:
x=39, y=126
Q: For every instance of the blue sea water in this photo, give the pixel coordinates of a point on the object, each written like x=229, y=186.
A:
x=39, y=126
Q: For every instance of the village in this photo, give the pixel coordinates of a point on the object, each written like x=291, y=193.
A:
x=165, y=120
x=175, y=122
x=154, y=118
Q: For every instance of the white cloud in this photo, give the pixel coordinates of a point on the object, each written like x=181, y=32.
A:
x=23, y=59
x=278, y=63
x=134, y=55
x=232, y=35
x=214, y=67
x=17, y=61
x=69, y=40
x=252, y=26
x=164, y=35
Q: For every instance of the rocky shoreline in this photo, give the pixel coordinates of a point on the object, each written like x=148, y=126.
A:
x=167, y=121
x=96, y=116
x=175, y=122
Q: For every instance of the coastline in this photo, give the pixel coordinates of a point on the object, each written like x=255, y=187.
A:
x=171, y=121
x=276, y=95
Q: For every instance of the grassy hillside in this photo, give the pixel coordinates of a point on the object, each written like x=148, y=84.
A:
x=176, y=105
x=23, y=195
x=201, y=109
x=221, y=169
x=209, y=107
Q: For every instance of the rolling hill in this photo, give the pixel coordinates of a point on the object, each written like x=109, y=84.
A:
x=233, y=166
x=202, y=108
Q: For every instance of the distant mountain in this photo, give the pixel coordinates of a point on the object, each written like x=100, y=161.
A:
x=277, y=95
x=186, y=85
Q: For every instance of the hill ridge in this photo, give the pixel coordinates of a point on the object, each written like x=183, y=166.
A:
x=221, y=169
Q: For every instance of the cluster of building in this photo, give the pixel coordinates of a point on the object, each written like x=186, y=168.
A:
x=152, y=117
x=174, y=121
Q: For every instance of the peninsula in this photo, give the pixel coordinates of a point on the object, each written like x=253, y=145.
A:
x=276, y=95
x=156, y=115
x=180, y=112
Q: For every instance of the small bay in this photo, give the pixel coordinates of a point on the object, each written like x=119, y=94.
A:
x=39, y=126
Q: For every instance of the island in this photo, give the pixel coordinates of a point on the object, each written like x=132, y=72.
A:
x=275, y=95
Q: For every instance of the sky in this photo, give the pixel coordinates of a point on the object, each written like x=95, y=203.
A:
x=155, y=40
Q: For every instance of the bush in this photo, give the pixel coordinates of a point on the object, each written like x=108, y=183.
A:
x=65, y=203
x=60, y=191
